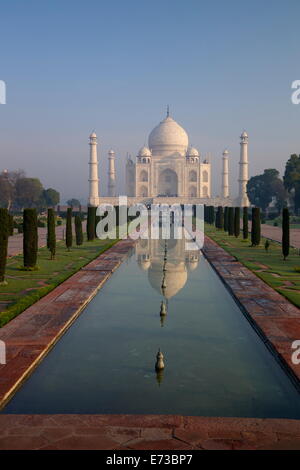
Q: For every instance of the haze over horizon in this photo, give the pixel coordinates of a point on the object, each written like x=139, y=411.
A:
x=73, y=66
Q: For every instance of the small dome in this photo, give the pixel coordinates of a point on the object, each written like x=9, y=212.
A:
x=168, y=137
x=192, y=152
x=111, y=152
x=93, y=135
x=225, y=152
x=144, y=152
x=244, y=135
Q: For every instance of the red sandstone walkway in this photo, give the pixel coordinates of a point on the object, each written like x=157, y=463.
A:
x=275, y=233
x=145, y=432
x=15, y=243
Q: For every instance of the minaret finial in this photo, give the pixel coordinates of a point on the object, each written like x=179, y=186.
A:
x=168, y=111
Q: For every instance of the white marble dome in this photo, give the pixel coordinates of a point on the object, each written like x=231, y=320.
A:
x=168, y=138
x=144, y=152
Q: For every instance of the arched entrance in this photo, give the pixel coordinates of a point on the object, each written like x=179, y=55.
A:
x=168, y=183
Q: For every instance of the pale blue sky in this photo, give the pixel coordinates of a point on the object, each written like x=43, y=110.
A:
x=71, y=66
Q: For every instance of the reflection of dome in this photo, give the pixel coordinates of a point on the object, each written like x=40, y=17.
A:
x=144, y=264
x=175, y=278
x=168, y=137
x=193, y=265
x=144, y=152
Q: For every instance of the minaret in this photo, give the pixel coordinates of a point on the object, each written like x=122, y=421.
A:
x=93, y=180
x=243, y=179
x=111, y=187
x=225, y=175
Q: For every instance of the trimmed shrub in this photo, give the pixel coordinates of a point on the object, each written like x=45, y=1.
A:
x=30, y=238
x=69, y=235
x=51, y=235
x=226, y=214
x=91, y=223
x=230, y=221
x=11, y=225
x=285, y=233
x=78, y=230
x=237, y=222
x=245, y=223
x=255, y=229
x=4, y=231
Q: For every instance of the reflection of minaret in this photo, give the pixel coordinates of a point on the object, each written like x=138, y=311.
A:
x=225, y=174
x=243, y=179
x=93, y=180
x=111, y=174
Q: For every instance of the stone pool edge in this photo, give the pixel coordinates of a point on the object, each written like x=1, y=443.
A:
x=145, y=432
x=31, y=335
x=275, y=319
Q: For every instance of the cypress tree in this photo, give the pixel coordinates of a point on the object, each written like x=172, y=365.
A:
x=69, y=235
x=212, y=215
x=217, y=221
x=78, y=230
x=51, y=235
x=205, y=213
x=226, y=219
x=10, y=225
x=221, y=217
x=91, y=223
x=30, y=238
x=245, y=223
x=4, y=230
x=237, y=221
x=231, y=221
x=285, y=233
x=255, y=228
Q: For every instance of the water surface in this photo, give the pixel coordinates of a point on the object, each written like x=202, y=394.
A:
x=216, y=365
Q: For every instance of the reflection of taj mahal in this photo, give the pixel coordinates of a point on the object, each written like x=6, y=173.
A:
x=169, y=168
x=150, y=257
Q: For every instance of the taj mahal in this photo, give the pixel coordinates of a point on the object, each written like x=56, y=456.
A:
x=169, y=170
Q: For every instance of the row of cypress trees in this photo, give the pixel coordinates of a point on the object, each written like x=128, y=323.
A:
x=228, y=219
x=30, y=235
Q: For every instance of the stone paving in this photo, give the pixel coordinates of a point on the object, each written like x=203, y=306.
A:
x=145, y=432
x=15, y=243
x=275, y=233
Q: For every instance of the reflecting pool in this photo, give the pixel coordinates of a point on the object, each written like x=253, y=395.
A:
x=215, y=363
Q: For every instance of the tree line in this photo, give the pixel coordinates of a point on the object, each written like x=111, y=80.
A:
x=267, y=187
x=17, y=191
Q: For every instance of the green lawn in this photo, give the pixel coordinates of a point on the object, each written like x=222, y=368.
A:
x=270, y=267
x=26, y=287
